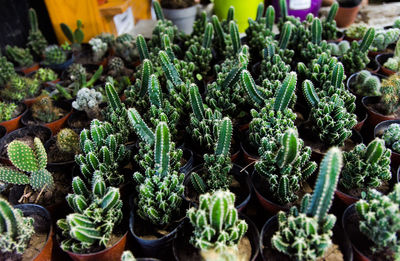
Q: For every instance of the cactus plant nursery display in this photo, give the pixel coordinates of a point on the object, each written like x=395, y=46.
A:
x=281, y=143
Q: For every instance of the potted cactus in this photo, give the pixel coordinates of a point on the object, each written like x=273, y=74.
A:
x=356, y=31
x=330, y=32
x=389, y=62
x=372, y=225
x=56, y=58
x=389, y=132
x=46, y=76
x=279, y=237
x=10, y=115
x=62, y=148
x=225, y=233
x=27, y=232
x=22, y=58
x=36, y=41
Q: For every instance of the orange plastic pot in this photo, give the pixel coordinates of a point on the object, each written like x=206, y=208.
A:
x=29, y=70
x=57, y=125
x=374, y=118
x=345, y=198
x=15, y=123
x=30, y=102
x=345, y=16
x=112, y=253
x=381, y=60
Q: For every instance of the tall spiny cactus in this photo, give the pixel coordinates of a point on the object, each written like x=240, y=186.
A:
x=142, y=48
x=310, y=50
x=305, y=234
x=160, y=187
x=36, y=41
x=97, y=211
x=254, y=92
x=15, y=229
x=216, y=224
x=329, y=24
x=30, y=163
x=273, y=66
x=285, y=163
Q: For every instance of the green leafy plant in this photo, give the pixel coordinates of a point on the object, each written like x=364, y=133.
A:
x=67, y=141
x=19, y=56
x=391, y=136
x=53, y=54
x=76, y=37
x=380, y=221
x=285, y=163
x=329, y=29
x=356, y=31
x=6, y=70
x=44, y=109
x=15, y=230
x=36, y=41
x=45, y=75
x=30, y=164
x=366, y=166
x=217, y=227
x=7, y=110
x=88, y=100
x=97, y=211
x=160, y=187
x=103, y=150
x=329, y=118
x=305, y=233
x=366, y=84
x=356, y=58
x=390, y=89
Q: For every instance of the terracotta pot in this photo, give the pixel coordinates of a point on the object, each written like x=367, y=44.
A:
x=28, y=70
x=51, y=83
x=381, y=59
x=378, y=132
x=345, y=198
x=181, y=243
x=361, y=122
x=271, y=226
x=29, y=102
x=345, y=16
x=242, y=176
x=374, y=117
x=35, y=211
x=15, y=123
x=112, y=253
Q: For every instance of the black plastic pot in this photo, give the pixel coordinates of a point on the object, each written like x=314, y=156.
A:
x=3, y=131
x=39, y=131
x=181, y=243
x=189, y=156
x=271, y=226
x=378, y=132
x=242, y=176
x=78, y=116
x=58, y=165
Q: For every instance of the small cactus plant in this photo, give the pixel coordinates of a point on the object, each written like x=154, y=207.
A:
x=329, y=28
x=6, y=70
x=390, y=99
x=391, y=136
x=217, y=227
x=99, y=49
x=7, y=110
x=76, y=37
x=383, y=38
x=15, y=230
x=285, y=163
x=305, y=233
x=44, y=109
x=125, y=47
x=367, y=84
x=356, y=31
x=68, y=141
x=88, y=100
x=53, y=54
x=380, y=221
x=19, y=56
x=45, y=75
x=30, y=163
x=36, y=41
x=338, y=49
x=19, y=88
x=366, y=166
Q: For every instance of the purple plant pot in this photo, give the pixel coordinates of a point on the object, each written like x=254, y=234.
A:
x=312, y=7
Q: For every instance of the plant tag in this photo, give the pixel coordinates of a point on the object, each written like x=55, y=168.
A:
x=299, y=4
x=125, y=22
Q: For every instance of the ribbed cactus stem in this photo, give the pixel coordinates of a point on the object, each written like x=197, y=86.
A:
x=224, y=137
x=325, y=187
x=8, y=220
x=169, y=69
x=367, y=39
x=162, y=148
x=290, y=149
x=270, y=17
x=33, y=20
x=375, y=150
x=140, y=126
x=234, y=32
x=218, y=29
x=285, y=35
x=337, y=75
x=147, y=71
x=310, y=93
x=113, y=97
x=198, y=183
x=196, y=102
x=208, y=34
x=231, y=14
x=155, y=94
x=283, y=7
x=158, y=10
x=332, y=12
x=260, y=11
x=316, y=31
x=142, y=48
x=285, y=92
x=251, y=88
x=232, y=78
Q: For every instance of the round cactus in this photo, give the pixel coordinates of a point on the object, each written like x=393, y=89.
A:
x=53, y=54
x=68, y=141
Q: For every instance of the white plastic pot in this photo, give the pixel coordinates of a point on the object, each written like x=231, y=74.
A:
x=182, y=18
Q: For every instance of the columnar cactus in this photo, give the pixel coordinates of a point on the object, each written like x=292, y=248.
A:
x=390, y=89
x=310, y=50
x=7, y=110
x=53, y=54
x=329, y=28
x=330, y=119
x=366, y=166
x=6, y=70
x=305, y=233
x=36, y=41
x=68, y=141
x=356, y=58
x=99, y=49
x=216, y=224
x=274, y=117
x=380, y=221
x=256, y=95
x=160, y=187
x=367, y=84
x=102, y=150
x=88, y=100
x=273, y=67
x=97, y=211
x=19, y=56
x=391, y=136
x=385, y=37
x=15, y=229
x=393, y=63
x=285, y=163
x=30, y=164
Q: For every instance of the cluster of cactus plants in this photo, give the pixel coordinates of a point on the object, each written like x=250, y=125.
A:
x=366, y=84
x=391, y=136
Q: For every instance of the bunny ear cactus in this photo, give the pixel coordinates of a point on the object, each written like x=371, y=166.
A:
x=217, y=227
x=160, y=187
x=36, y=41
x=15, y=229
x=366, y=166
x=329, y=29
x=76, y=37
x=306, y=234
x=31, y=166
x=380, y=221
x=356, y=58
x=274, y=117
x=97, y=211
x=330, y=119
x=285, y=163
x=19, y=56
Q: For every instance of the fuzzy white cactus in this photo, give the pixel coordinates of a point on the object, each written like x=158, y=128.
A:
x=99, y=48
x=88, y=100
